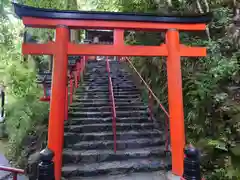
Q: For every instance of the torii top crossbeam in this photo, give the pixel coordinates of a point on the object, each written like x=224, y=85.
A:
x=46, y=18
x=62, y=21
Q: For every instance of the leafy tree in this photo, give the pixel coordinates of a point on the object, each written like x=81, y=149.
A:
x=19, y=76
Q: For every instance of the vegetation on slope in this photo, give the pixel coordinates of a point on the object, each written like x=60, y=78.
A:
x=26, y=117
x=24, y=111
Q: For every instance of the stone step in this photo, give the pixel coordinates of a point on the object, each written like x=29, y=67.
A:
x=114, y=167
x=116, y=95
x=156, y=175
x=107, y=100
x=103, y=103
x=85, y=128
x=101, y=70
x=107, y=108
x=106, y=80
x=108, y=114
x=105, y=86
x=105, y=73
x=72, y=138
x=91, y=93
x=121, y=144
x=115, y=90
x=88, y=137
x=94, y=120
x=94, y=156
x=126, y=77
x=120, y=85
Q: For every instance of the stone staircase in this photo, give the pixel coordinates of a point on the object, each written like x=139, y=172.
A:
x=88, y=145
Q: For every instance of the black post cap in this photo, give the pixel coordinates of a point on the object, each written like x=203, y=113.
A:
x=192, y=152
x=46, y=165
x=192, y=164
x=46, y=154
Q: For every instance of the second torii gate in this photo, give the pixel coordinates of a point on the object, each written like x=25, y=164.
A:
x=63, y=21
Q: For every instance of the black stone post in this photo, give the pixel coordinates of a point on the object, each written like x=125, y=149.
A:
x=192, y=164
x=46, y=165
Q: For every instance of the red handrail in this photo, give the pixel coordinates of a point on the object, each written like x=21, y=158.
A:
x=14, y=171
x=66, y=104
x=151, y=94
x=71, y=88
x=111, y=96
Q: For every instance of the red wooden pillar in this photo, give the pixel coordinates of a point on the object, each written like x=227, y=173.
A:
x=76, y=78
x=58, y=97
x=175, y=100
x=66, y=104
x=78, y=71
x=119, y=39
x=71, y=88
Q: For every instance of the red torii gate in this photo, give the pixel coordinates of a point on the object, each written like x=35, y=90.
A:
x=62, y=21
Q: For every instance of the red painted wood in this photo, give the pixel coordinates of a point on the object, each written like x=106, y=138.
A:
x=10, y=169
x=88, y=24
x=118, y=37
x=175, y=102
x=71, y=89
x=58, y=98
x=39, y=49
x=45, y=99
x=66, y=104
x=115, y=50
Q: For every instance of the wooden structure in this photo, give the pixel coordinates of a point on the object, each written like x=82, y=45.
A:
x=62, y=21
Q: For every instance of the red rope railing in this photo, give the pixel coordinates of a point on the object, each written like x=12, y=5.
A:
x=152, y=95
x=111, y=96
x=74, y=78
x=13, y=171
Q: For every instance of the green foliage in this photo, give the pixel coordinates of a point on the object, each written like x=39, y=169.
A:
x=27, y=114
x=24, y=111
x=53, y=4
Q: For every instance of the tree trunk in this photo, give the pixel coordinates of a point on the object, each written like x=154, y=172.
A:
x=202, y=12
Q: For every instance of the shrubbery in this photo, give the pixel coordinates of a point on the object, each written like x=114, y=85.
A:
x=23, y=109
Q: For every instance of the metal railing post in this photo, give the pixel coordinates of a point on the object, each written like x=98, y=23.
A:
x=111, y=96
